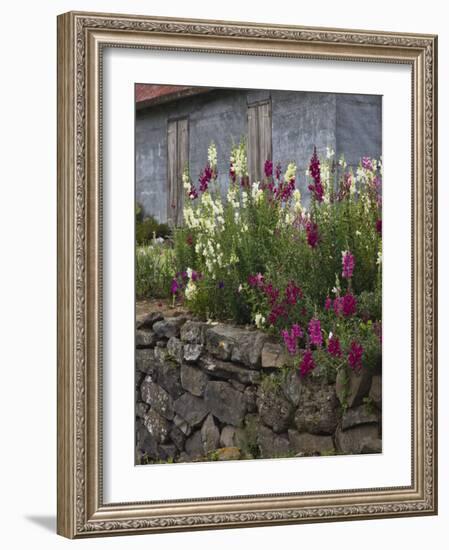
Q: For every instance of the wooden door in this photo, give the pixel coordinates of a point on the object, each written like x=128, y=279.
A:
x=259, y=139
x=177, y=160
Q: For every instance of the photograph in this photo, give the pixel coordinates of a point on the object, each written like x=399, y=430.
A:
x=258, y=274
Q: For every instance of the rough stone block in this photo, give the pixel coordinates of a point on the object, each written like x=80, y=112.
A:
x=357, y=439
x=310, y=444
x=192, y=409
x=274, y=410
x=157, y=398
x=193, y=380
x=318, y=410
x=225, y=403
x=169, y=327
x=145, y=339
x=175, y=349
x=353, y=386
x=210, y=435
x=225, y=370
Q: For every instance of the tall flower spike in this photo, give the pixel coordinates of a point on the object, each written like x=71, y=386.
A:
x=315, y=171
x=307, y=363
x=316, y=338
x=348, y=264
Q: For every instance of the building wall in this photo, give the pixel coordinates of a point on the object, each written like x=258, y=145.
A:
x=350, y=124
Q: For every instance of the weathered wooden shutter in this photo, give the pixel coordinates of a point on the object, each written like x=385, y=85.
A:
x=177, y=159
x=259, y=138
x=183, y=160
x=253, y=143
x=265, y=136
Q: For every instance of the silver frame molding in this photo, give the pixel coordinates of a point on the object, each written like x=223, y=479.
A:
x=81, y=39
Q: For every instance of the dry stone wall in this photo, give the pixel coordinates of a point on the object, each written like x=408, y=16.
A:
x=219, y=392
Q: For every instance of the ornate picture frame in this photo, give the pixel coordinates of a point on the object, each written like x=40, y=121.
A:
x=82, y=38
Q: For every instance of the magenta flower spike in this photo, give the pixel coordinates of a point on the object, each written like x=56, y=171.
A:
x=348, y=264
x=307, y=363
x=316, y=338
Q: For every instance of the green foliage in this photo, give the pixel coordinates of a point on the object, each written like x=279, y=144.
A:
x=139, y=213
x=155, y=268
x=254, y=253
x=148, y=228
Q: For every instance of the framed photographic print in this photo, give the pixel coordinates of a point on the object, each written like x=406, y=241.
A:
x=246, y=274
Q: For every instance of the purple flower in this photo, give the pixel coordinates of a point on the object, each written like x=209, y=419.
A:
x=348, y=304
x=315, y=335
x=338, y=305
x=367, y=163
x=333, y=346
x=278, y=171
x=268, y=168
x=174, y=287
x=232, y=173
x=312, y=233
x=275, y=313
x=193, y=193
x=205, y=177
x=315, y=171
x=220, y=284
x=348, y=263
x=307, y=363
x=345, y=186
x=256, y=280
x=379, y=226
x=291, y=338
x=292, y=293
x=271, y=292
x=328, y=303
x=355, y=356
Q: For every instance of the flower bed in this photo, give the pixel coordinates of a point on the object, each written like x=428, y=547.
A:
x=311, y=276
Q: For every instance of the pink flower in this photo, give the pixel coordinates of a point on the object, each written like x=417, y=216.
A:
x=315, y=335
x=268, y=168
x=174, y=287
x=348, y=263
x=275, y=313
x=278, y=171
x=291, y=338
x=345, y=186
x=271, y=292
x=193, y=193
x=367, y=163
x=315, y=171
x=205, y=178
x=232, y=173
x=355, y=356
x=338, y=306
x=328, y=303
x=312, y=233
x=307, y=363
x=292, y=293
x=348, y=304
x=256, y=280
x=333, y=346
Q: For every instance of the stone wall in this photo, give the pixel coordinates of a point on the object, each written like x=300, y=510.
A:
x=217, y=392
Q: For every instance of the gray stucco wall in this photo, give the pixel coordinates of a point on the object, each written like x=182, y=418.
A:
x=350, y=124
